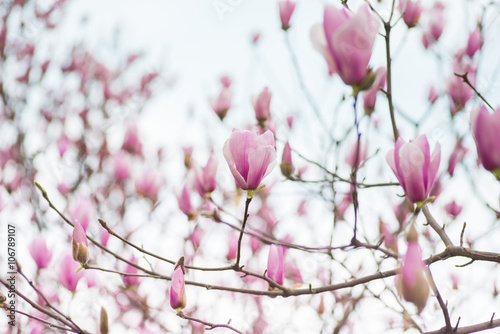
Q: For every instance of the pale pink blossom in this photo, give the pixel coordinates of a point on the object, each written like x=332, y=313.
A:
x=184, y=201
x=148, y=185
x=414, y=166
x=40, y=253
x=412, y=283
x=131, y=143
x=474, y=43
x=261, y=104
x=205, y=179
x=286, y=10
x=370, y=96
x=275, y=264
x=250, y=157
x=357, y=155
x=68, y=276
x=411, y=11
x=485, y=128
x=453, y=209
x=222, y=103
x=346, y=41
x=177, y=288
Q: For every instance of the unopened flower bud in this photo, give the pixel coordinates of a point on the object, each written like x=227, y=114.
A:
x=80, y=244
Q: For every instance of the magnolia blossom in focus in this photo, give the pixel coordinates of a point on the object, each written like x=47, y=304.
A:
x=250, y=157
x=485, y=128
x=346, y=41
x=286, y=10
x=415, y=167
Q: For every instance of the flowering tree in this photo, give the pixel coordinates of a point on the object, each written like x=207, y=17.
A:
x=383, y=218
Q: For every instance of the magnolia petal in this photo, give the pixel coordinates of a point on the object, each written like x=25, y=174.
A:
x=262, y=160
x=411, y=164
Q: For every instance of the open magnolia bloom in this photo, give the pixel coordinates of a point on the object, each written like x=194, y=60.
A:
x=250, y=157
x=415, y=167
x=346, y=41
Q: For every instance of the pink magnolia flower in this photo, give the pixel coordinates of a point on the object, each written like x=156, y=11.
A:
x=459, y=93
x=411, y=282
x=485, y=128
x=148, y=185
x=131, y=143
x=250, y=157
x=474, y=43
x=80, y=244
x=177, y=288
x=411, y=11
x=275, y=264
x=205, y=179
x=346, y=41
x=415, y=167
x=453, y=209
x=68, y=276
x=40, y=253
x=289, y=121
x=222, y=103
x=286, y=166
x=370, y=96
x=196, y=236
x=184, y=201
x=261, y=105
x=435, y=25
x=131, y=280
x=286, y=10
